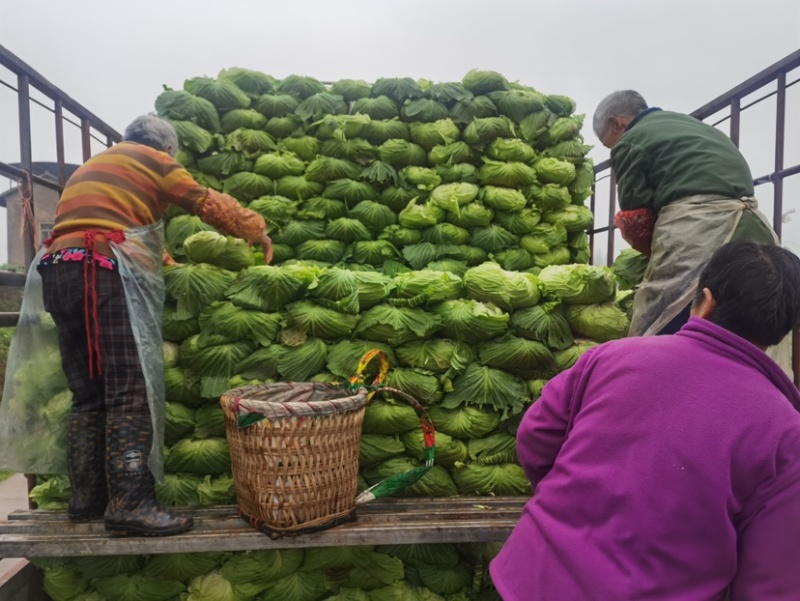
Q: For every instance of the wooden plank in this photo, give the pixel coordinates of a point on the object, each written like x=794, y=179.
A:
x=422, y=531
x=214, y=521
x=391, y=506
x=407, y=521
x=418, y=505
x=231, y=523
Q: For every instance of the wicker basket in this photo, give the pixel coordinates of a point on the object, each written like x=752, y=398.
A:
x=296, y=470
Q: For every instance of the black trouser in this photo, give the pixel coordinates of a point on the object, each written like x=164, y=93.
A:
x=120, y=388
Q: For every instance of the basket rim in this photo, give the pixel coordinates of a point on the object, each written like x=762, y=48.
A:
x=237, y=398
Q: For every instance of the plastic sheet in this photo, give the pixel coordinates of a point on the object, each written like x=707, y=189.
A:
x=33, y=424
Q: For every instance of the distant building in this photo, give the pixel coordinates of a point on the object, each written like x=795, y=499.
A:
x=44, y=205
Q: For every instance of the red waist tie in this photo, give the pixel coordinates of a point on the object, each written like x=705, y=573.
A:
x=90, y=316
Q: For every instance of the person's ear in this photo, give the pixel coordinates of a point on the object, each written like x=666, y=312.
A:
x=706, y=306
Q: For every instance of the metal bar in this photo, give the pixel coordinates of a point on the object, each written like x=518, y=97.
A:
x=782, y=174
x=47, y=108
x=19, y=67
x=109, y=142
x=38, y=103
x=612, y=202
x=600, y=167
x=31, y=478
x=17, y=173
x=592, y=206
x=86, y=139
x=764, y=179
x=59, y=111
x=12, y=279
x=755, y=102
x=26, y=163
x=780, y=132
x=9, y=320
x=758, y=80
x=735, y=121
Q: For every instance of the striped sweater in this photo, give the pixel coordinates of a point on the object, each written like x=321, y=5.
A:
x=131, y=185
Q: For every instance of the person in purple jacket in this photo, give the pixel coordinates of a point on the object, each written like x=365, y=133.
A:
x=667, y=468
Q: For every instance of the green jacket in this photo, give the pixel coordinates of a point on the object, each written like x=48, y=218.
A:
x=664, y=156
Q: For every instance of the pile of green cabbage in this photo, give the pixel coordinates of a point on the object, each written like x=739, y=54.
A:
x=441, y=222
x=629, y=268
x=425, y=572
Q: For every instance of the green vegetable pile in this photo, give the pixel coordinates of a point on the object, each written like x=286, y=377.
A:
x=440, y=572
x=443, y=223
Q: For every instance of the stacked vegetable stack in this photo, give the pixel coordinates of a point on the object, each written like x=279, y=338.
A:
x=436, y=221
x=386, y=573
x=442, y=223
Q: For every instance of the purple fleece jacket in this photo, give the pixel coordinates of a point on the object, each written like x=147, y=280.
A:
x=665, y=468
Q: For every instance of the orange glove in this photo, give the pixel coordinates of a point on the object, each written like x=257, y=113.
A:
x=166, y=259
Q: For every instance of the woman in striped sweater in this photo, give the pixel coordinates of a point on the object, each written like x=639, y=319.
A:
x=126, y=187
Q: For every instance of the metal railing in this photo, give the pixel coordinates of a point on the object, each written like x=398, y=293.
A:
x=64, y=109
x=778, y=74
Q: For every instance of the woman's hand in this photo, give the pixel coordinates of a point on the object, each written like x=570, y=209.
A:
x=266, y=243
x=167, y=260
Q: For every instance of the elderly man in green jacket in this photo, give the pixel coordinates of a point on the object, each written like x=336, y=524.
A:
x=684, y=191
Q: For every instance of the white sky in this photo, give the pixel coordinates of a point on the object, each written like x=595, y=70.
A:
x=113, y=57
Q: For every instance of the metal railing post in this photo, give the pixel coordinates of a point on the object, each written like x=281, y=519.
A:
x=736, y=108
x=780, y=129
x=592, y=207
x=59, y=112
x=26, y=162
x=86, y=139
x=612, y=206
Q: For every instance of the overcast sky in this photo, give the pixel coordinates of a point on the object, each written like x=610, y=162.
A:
x=113, y=57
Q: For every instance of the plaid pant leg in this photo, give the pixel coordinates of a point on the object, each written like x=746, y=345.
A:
x=62, y=291
x=125, y=389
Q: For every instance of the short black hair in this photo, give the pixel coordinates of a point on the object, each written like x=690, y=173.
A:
x=757, y=289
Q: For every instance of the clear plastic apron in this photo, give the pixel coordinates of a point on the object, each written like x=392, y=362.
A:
x=687, y=233
x=35, y=407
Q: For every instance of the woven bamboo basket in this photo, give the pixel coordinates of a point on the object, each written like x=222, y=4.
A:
x=295, y=470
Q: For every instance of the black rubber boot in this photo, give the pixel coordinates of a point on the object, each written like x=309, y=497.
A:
x=86, y=443
x=132, y=506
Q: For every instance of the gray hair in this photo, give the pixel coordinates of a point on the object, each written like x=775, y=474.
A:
x=152, y=131
x=625, y=103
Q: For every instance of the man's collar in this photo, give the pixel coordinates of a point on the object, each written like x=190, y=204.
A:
x=641, y=115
